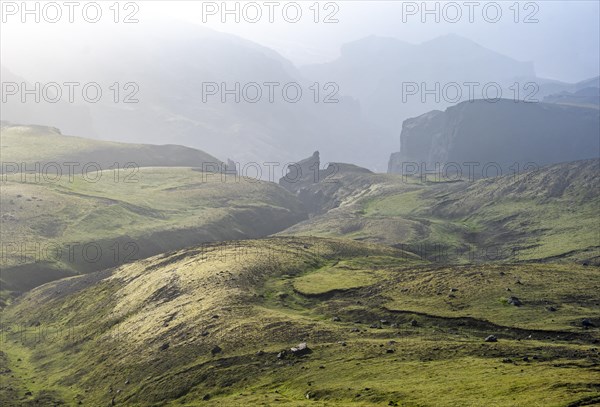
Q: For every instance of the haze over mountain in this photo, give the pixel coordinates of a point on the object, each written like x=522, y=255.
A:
x=170, y=62
x=77, y=117
x=171, y=108
x=374, y=70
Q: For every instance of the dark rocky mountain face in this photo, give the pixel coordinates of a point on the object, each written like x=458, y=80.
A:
x=504, y=135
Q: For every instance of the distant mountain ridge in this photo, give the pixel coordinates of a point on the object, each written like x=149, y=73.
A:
x=175, y=107
x=368, y=79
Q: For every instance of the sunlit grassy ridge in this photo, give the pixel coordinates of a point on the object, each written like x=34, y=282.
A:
x=147, y=333
x=70, y=205
x=62, y=224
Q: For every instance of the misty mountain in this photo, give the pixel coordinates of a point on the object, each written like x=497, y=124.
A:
x=164, y=66
x=169, y=64
x=498, y=134
x=378, y=70
x=549, y=87
x=585, y=93
x=77, y=118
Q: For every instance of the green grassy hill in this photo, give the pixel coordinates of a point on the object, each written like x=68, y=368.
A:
x=28, y=145
x=60, y=229
x=56, y=224
x=148, y=290
x=206, y=325
x=538, y=215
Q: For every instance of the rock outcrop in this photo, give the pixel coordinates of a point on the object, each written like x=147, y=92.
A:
x=315, y=187
x=507, y=135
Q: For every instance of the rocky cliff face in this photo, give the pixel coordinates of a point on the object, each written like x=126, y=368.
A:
x=505, y=135
x=318, y=189
x=302, y=173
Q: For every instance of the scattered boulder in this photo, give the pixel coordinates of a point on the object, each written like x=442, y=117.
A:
x=551, y=309
x=260, y=353
x=389, y=351
x=586, y=322
x=301, y=349
x=164, y=346
x=491, y=338
x=336, y=319
x=453, y=290
x=514, y=301
x=282, y=354
x=217, y=349
x=414, y=322
x=206, y=397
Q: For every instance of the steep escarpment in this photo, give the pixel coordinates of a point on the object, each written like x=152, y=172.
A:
x=504, y=134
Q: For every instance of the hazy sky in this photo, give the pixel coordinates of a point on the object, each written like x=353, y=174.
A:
x=564, y=42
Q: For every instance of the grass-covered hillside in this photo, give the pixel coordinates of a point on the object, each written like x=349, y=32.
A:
x=215, y=325
x=52, y=230
x=547, y=214
x=58, y=220
x=28, y=145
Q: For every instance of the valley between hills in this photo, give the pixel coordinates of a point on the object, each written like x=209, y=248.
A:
x=353, y=289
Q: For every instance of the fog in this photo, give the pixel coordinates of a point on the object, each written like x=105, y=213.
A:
x=363, y=54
